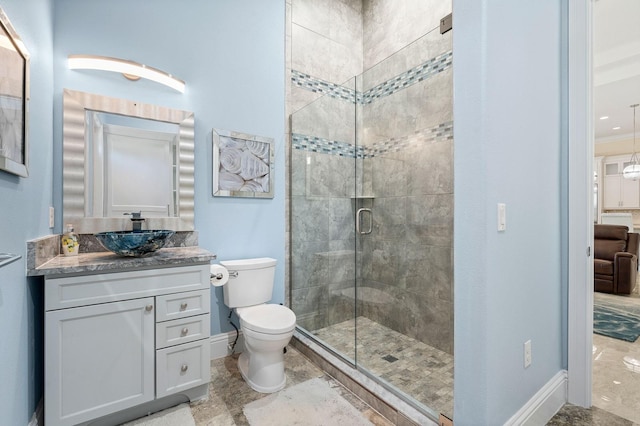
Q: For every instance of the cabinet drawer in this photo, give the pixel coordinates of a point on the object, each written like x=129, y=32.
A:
x=175, y=332
x=68, y=292
x=182, y=367
x=181, y=305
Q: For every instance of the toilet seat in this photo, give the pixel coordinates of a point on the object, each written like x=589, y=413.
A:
x=267, y=318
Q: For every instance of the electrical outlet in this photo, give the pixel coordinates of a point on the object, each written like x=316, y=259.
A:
x=52, y=217
x=527, y=353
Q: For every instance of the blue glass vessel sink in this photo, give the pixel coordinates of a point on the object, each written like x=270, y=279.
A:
x=134, y=243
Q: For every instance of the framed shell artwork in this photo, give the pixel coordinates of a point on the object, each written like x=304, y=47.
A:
x=242, y=165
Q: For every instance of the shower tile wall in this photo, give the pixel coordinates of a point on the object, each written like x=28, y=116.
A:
x=409, y=253
x=391, y=25
x=326, y=43
x=326, y=53
x=322, y=187
x=404, y=129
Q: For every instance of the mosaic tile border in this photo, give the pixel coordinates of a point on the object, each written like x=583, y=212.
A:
x=326, y=146
x=408, y=78
x=438, y=133
x=323, y=87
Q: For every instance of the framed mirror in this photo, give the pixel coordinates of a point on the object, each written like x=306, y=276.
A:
x=121, y=156
x=14, y=101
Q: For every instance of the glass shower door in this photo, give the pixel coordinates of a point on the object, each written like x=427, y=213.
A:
x=322, y=244
x=371, y=227
x=404, y=310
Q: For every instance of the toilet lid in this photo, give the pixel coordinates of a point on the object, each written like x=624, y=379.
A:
x=267, y=318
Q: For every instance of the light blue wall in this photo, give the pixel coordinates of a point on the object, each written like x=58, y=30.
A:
x=24, y=214
x=507, y=112
x=231, y=55
x=508, y=286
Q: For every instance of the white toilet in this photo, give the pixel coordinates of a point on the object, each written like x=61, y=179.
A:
x=267, y=328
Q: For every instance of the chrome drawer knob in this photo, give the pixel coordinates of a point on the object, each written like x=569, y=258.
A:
x=185, y=331
x=148, y=308
x=184, y=368
x=183, y=306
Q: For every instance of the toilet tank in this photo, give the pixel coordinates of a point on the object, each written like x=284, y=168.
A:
x=253, y=284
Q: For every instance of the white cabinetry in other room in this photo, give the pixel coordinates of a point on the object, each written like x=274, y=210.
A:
x=619, y=193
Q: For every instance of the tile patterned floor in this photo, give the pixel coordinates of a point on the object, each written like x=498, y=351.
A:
x=228, y=392
x=616, y=381
x=616, y=370
x=415, y=368
x=616, y=387
x=570, y=415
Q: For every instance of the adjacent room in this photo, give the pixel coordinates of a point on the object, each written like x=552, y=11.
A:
x=616, y=348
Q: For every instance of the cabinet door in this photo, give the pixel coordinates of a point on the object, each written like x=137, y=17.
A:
x=630, y=193
x=100, y=359
x=611, y=196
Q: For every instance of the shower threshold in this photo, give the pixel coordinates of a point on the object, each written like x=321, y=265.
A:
x=386, y=402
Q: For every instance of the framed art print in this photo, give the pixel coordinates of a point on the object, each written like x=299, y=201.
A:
x=242, y=165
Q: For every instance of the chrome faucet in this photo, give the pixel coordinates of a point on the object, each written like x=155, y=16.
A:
x=137, y=219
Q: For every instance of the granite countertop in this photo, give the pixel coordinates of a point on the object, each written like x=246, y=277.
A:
x=97, y=262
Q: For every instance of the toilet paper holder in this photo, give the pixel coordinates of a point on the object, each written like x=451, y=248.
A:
x=218, y=276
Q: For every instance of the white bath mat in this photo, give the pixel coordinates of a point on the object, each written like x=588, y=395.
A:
x=179, y=415
x=310, y=403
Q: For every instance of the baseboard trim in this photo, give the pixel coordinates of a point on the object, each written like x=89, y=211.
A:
x=544, y=404
x=38, y=417
x=221, y=344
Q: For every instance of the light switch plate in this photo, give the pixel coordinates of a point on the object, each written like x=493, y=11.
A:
x=527, y=353
x=502, y=217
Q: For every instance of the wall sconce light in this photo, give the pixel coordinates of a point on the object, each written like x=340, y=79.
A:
x=131, y=70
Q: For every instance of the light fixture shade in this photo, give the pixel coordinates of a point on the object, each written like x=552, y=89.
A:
x=632, y=171
x=103, y=63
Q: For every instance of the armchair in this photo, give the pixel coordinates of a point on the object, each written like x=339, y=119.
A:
x=615, y=261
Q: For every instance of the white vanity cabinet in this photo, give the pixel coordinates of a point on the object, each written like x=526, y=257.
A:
x=118, y=340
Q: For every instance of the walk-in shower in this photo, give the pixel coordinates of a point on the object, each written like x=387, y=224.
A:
x=371, y=199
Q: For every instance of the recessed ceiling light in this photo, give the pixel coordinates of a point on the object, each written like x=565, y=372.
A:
x=604, y=117
x=617, y=128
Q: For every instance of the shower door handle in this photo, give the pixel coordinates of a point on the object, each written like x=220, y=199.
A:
x=359, y=229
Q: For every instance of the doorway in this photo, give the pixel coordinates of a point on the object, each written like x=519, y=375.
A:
x=616, y=87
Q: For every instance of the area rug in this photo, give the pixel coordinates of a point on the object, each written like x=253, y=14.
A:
x=179, y=415
x=617, y=319
x=310, y=403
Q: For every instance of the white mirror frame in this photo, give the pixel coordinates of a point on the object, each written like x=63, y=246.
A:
x=74, y=177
